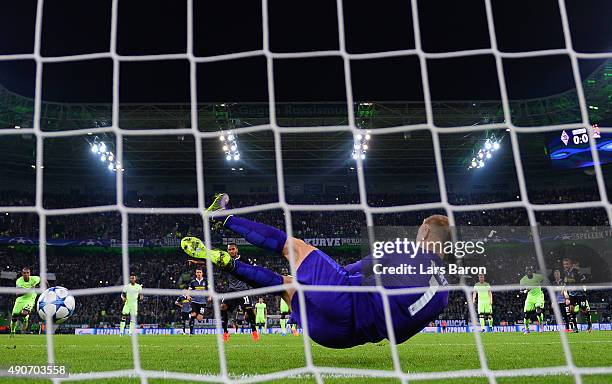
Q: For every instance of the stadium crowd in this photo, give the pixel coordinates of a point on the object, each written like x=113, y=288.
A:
x=158, y=268
x=156, y=228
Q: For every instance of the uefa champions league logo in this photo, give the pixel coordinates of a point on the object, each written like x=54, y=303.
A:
x=21, y=240
x=90, y=242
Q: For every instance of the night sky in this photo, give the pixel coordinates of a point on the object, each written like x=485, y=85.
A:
x=76, y=27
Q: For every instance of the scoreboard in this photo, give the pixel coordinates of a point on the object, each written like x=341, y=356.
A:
x=578, y=136
x=571, y=148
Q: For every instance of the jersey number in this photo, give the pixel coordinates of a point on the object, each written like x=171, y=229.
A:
x=426, y=298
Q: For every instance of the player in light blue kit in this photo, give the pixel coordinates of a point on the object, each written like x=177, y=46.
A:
x=340, y=319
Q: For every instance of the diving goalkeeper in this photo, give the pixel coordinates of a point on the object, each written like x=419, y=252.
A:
x=339, y=319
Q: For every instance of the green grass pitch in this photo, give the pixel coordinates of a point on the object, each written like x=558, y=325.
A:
x=422, y=353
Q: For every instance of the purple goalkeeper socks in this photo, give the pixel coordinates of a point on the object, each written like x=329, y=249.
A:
x=261, y=235
x=255, y=276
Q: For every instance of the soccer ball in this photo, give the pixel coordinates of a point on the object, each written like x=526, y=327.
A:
x=56, y=302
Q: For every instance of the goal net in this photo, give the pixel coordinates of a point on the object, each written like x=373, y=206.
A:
x=319, y=373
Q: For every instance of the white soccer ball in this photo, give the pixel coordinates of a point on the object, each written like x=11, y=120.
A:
x=57, y=303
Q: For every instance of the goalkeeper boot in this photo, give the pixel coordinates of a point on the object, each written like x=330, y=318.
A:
x=194, y=247
x=219, y=203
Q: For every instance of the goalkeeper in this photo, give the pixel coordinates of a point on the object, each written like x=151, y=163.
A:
x=25, y=303
x=339, y=319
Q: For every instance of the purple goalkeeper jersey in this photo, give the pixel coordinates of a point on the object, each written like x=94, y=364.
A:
x=346, y=319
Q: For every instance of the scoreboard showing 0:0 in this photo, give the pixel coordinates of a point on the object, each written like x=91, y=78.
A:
x=579, y=136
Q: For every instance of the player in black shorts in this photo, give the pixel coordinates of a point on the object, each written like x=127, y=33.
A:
x=198, y=303
x=576, y=300
x=244, y=304
x=239, y=319
x=560, y=296
x=184, y=304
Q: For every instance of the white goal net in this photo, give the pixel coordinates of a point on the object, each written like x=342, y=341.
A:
x=310, y=368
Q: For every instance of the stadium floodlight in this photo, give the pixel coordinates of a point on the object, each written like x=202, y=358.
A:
x=484, y=153
x=104, y=152
x=230, y=147
x=360, y=146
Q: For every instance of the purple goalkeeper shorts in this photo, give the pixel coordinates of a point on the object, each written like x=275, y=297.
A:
x=339, y=319
x=330, y=314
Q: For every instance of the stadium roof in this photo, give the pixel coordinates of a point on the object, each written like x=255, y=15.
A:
x=155, y=95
